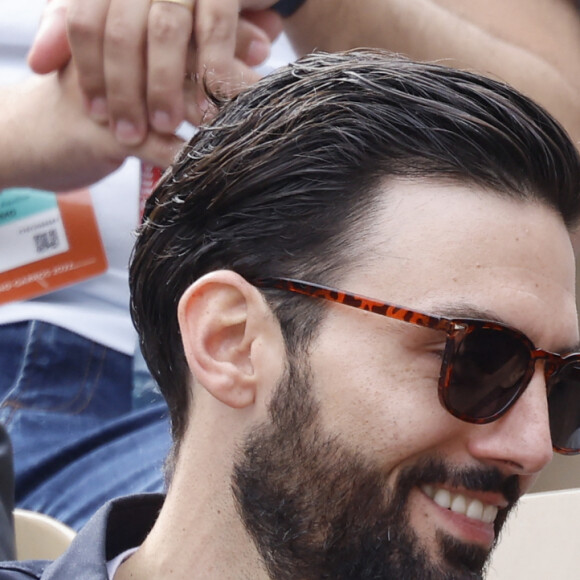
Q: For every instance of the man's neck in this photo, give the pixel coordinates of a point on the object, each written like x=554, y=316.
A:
x=197, y=536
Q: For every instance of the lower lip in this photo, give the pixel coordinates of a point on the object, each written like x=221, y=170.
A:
x=466, y=529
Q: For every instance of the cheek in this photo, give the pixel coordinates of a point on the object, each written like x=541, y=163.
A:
x=380, y=398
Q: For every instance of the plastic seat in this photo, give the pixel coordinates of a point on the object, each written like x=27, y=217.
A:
x=541, y=539
x=562, y=473
x=40, y=537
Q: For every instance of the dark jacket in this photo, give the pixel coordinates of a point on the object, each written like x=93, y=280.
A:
x=6, y=497
x=120, y=525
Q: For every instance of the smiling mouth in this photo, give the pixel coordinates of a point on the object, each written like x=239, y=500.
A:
x=461, y=504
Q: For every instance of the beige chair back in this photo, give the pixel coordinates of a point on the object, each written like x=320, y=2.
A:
x=562, y=473
x=40, y=537
x=541, y=540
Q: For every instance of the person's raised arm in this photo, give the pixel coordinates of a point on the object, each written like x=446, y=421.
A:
x=134, y=56
x=48, y=142
x=531, y=44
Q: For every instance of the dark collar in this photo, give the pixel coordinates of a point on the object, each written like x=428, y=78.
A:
x=119, y=525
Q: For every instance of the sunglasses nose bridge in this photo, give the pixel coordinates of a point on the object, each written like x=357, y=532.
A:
x=551, y=362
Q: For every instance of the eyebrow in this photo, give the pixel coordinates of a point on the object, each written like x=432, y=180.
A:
x=466, y=310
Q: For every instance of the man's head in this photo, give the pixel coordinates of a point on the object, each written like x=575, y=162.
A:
x=421, y=186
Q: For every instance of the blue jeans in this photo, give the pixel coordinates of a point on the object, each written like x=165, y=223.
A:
x=67, y=403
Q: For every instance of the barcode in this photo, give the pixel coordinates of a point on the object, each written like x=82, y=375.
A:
x=46, y=241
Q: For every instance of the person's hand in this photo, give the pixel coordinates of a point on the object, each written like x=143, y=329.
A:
x=59, y=147
x=140, y=62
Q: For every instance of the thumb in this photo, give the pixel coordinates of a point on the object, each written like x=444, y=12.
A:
x=50, y=50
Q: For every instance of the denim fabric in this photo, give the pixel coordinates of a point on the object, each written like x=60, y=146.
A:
x=78, y=441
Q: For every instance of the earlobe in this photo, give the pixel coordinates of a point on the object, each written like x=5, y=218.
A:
x=223, y=321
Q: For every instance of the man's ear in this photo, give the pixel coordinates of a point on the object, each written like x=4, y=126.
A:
x=226, y=329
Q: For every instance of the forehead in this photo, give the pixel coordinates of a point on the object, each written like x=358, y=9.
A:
x=441, y=247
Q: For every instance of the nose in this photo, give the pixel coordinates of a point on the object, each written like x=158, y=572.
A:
x=519, y=442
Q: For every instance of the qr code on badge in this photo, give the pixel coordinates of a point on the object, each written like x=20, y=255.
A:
x=46, y=241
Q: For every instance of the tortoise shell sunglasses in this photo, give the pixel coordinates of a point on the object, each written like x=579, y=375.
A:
x=486, y=365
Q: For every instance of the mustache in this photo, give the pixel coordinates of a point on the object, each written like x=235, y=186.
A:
x=435, y=470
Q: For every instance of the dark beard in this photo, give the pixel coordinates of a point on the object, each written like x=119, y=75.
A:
x=316, y=510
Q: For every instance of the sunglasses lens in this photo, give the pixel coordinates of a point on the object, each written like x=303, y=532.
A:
x=489, y=367
x=564, y=408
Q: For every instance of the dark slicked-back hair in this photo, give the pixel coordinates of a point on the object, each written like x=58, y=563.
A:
x=286, y=179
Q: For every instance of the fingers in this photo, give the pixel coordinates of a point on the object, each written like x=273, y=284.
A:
x=252, y=43
x=198, y=109
x=133, y=56
x=50, y=49
x=61, y=148
x=86, y=25
x=170, y=26
x=215, y=41
x=227, y=47
x=91, y=150
x=124, y=70
x=252, y=48
x=214, y=46
x=158, y=150
x=268, y=21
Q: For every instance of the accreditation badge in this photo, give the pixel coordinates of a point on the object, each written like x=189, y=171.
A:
x=47, y=241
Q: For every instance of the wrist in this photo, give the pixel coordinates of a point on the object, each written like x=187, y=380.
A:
x=15, y=134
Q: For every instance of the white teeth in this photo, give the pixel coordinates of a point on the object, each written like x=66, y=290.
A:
x=442, y=498
x=472, y=508
x=475, y=510
x=489, y=514
x=428, y=490
x=459, y=504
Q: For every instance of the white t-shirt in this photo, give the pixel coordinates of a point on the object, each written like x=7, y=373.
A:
x=97, y=308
